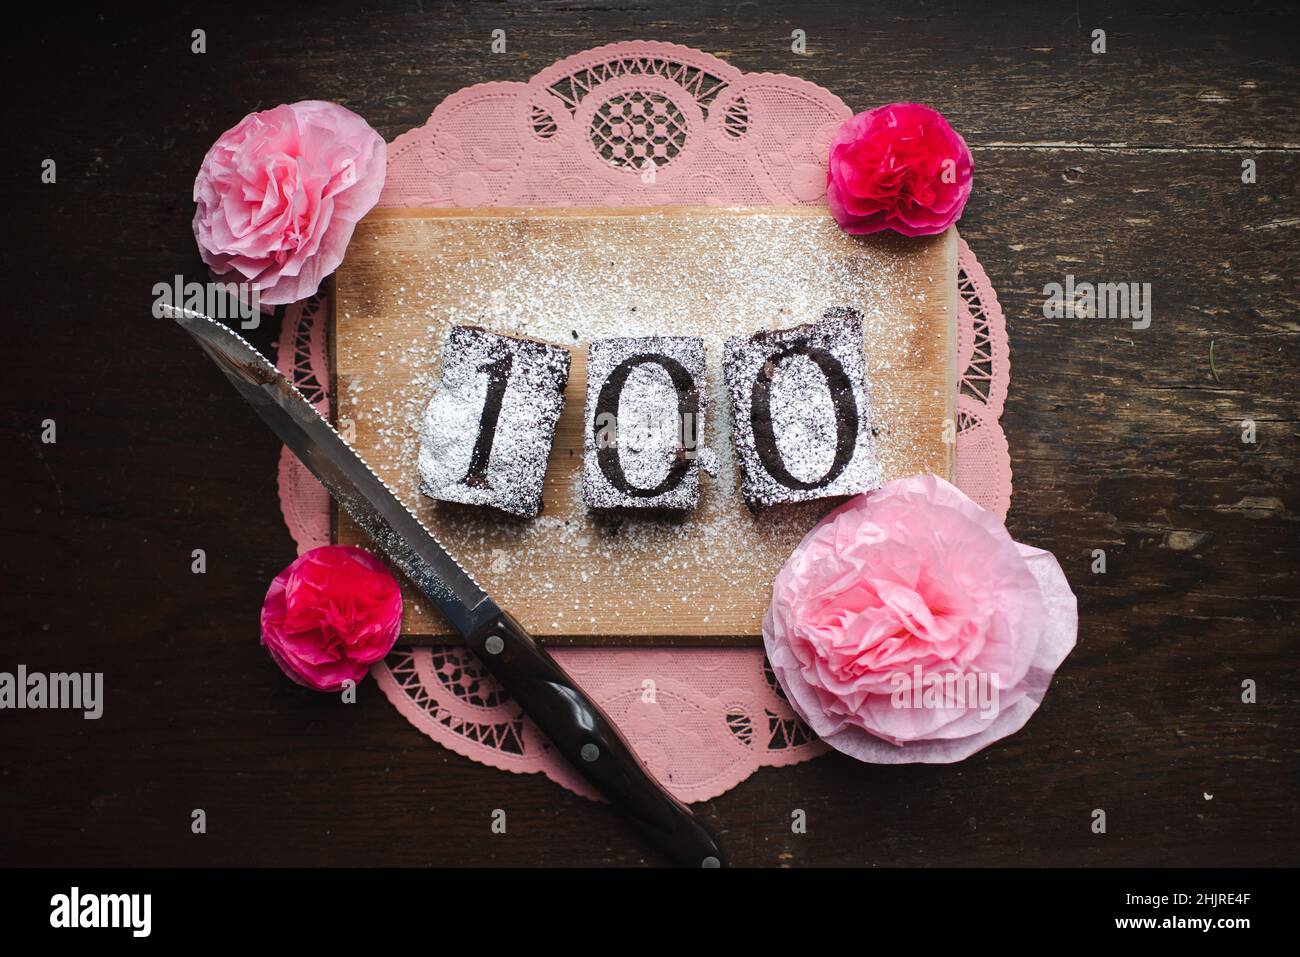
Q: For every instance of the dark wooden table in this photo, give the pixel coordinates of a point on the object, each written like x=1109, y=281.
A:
x=1122, y=166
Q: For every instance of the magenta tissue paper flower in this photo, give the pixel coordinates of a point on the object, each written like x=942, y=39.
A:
x=330, y=615
x=899, y=167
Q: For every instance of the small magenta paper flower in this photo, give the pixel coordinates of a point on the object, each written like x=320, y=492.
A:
x=279, y=194
x=908, y=626
x=330, y=615
x=899, y=167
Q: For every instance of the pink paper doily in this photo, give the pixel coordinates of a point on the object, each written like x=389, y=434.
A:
x=640, y=123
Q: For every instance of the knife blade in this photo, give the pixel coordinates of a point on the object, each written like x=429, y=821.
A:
x=575, y=725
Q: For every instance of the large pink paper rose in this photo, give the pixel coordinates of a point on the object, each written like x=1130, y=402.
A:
x=279, y=194
x=908, y=626
x=899, y=167
x=330, y=615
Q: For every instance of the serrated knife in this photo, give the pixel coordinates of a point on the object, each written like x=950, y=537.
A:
x=575, y=725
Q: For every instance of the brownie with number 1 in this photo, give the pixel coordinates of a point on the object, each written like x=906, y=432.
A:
x=487, y=432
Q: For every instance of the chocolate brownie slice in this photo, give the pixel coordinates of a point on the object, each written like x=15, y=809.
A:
x=643, y=438
x=487, y=431
x=800, y=418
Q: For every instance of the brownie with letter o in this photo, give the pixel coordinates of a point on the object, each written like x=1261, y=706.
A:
x=643, y=432
x=801, y=423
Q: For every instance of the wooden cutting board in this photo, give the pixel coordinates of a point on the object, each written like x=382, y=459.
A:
x=570, y=275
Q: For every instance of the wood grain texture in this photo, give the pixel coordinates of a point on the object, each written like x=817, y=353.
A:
x=1127, y=440
x=572, y=576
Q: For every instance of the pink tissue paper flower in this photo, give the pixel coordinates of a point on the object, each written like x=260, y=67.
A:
x=330, y=615
x=899, y=167
x=279, y=194
x=908, y=626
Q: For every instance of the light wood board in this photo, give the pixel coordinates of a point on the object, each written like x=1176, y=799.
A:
x=570, y=275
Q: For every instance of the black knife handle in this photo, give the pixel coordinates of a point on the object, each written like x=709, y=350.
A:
x=584, y=734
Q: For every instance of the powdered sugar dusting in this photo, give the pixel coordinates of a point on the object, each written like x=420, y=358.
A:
x=571, y=571
x=804, y=423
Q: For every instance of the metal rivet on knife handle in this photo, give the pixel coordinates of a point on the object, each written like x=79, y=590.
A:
x=494, y=645
x=590, y=752
x=710, y=861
